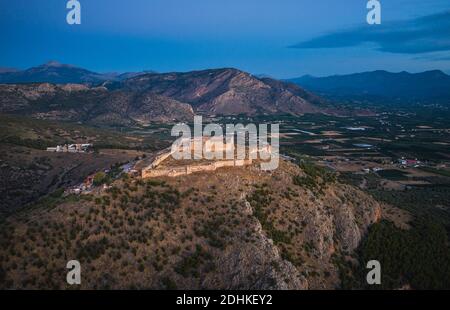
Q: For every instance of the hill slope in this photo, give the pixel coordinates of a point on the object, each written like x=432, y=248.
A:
x=94, y=105
x=238, y=228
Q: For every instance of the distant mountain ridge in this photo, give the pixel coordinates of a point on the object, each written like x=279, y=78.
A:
x=428, y=85
x=58, y=73
x=7, y=70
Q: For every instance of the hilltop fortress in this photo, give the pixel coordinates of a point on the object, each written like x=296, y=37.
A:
x=165, y=164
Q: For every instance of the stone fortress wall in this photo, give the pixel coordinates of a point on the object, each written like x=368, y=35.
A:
x=189, y=169
x=154, y=170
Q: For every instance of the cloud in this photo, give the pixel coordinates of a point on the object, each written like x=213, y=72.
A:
x=421, y=35
x=439, y=56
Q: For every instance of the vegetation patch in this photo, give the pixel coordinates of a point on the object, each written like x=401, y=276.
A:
x=418, y=257
x=260, y=199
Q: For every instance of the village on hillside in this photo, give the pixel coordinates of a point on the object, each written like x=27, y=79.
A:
x=71, y=148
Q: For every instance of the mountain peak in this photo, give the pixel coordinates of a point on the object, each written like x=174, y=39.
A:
x=225, y=91
x=56, y=64
x=436, y=73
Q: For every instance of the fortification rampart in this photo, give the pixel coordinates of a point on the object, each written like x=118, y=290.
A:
x=189, y=169
x=154, y=170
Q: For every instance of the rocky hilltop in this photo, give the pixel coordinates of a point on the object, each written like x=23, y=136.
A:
x=238, y=228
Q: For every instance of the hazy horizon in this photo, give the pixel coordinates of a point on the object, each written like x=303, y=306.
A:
x=215, y=68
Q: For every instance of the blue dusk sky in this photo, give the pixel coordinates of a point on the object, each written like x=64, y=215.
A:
x=280, y=38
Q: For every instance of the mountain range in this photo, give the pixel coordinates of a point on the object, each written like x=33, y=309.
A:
x=58, y=73
x=429, y=85
x=226, y=91
x=65, y=92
